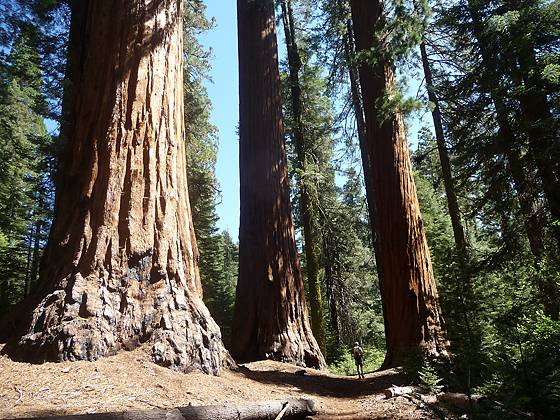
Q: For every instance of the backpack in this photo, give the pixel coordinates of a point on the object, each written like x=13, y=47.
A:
x=357, y=352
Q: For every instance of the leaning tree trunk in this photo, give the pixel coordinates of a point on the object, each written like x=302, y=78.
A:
x=270, y=312
x=445, y=162
x=119, y=266
x=412, y=314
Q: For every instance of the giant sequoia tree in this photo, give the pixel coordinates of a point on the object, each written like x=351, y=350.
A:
x=411, y=309
x=270, y=315
x=119, y=268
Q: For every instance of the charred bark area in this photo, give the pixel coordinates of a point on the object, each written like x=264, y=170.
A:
x=119, y=269
x=270, y=312
x=412, y=314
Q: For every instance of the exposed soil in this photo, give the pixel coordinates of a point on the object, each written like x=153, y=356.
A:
x=130, y=381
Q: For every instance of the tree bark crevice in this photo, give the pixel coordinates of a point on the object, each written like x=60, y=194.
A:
x=412, y=314
x=119, y=270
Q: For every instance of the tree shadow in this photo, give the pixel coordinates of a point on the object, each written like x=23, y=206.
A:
x=327, y=386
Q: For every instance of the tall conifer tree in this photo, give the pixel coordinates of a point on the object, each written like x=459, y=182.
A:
x=411, y=308
x=119, y=269
x=270, y=314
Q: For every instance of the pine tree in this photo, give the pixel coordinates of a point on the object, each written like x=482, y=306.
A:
x=486, y=124
x=25, y=186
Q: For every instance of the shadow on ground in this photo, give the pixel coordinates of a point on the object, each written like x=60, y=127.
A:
x=328, y=386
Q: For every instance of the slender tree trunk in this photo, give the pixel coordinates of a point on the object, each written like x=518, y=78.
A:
x=28, y=262
x=119, y=266
x=357, y=104
x=270, y=312
x=452, y=204
x=466, y=300
x=334, y=322
x=412, y=313
x=36, y=255
x=310, y=239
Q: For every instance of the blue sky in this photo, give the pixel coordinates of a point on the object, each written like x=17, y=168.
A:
x=223, y=91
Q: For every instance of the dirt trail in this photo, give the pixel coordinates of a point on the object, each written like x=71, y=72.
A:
x=129, y=381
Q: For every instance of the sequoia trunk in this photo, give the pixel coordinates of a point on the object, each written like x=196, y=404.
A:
x=412, y=314
x=358, y=105
x=270, y=311
x=119, y=268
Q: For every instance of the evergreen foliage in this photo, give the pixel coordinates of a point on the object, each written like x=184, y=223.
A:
x=490, y=61
x=26, y=153
x=349, y=283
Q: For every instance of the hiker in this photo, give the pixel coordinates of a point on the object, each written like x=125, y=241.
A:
x=358, y=354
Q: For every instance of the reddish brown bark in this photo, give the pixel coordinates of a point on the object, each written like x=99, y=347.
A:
x=119, y=266
x=270, y=312
x=412, y=313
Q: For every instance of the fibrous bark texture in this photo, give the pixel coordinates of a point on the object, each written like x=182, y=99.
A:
x=270, y=312
x=412, y=313
x=119, y=266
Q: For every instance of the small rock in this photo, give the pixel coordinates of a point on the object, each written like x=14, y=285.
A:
x=65, y=370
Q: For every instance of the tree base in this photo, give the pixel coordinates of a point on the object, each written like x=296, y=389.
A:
x=181, y=332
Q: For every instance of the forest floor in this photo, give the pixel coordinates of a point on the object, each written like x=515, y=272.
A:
x=130, y=381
